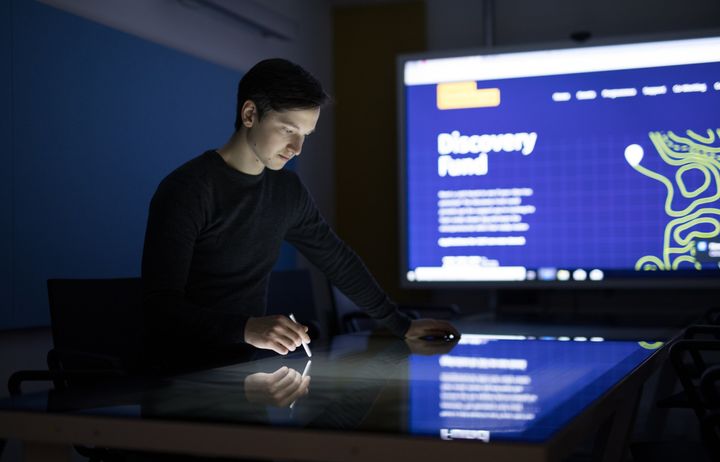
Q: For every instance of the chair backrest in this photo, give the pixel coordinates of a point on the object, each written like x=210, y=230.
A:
x=697, y=364
x=291, y=291
x=96, y=323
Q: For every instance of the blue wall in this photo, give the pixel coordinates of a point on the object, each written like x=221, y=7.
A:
x=6, y=299
x=98, y=118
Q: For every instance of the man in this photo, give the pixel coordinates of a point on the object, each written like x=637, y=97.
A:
x=216, y=225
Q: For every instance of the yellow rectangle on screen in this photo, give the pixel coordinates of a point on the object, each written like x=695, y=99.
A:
x=466, y=95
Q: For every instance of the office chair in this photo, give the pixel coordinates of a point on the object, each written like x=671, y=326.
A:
x=97, y=334
x=695, y=361
x=291, y=291
x=703, y=327
x=96, y=328
x=96, y=323
x=698, y=368
x=694, y=364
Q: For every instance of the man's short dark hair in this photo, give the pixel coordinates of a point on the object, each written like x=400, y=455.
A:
x=278, y=85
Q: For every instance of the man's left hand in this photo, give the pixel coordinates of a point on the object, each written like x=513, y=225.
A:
x=430, y=327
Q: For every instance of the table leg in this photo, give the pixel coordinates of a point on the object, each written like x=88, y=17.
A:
x=666, y=386
x=612, y=440
x=46, y=452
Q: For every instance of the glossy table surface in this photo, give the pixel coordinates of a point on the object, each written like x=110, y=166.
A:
x=490, y=386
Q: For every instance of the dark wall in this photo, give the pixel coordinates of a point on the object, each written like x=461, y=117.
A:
x=366, y=41
x=91, y=120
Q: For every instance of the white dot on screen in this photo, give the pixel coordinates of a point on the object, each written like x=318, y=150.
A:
x=579, y=274
x=634, y=154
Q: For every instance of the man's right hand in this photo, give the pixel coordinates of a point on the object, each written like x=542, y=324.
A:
x=281, y=388
x=277, y=333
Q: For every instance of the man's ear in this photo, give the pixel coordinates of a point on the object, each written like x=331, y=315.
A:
x=249, y=114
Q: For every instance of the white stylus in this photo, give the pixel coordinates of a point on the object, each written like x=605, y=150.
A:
x=304, y=374
x=307, y=349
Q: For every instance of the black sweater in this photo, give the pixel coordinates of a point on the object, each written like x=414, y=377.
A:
x=213, y=236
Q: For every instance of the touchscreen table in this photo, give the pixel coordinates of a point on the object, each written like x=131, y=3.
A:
x=515, y=388
x=368, y=396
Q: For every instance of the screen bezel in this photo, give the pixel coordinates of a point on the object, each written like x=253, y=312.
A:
x=672, y=280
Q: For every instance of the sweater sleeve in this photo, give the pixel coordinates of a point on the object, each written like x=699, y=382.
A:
x=177, y=213
x=313, y=237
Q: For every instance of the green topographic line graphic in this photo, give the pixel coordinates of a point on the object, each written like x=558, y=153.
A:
x=651, y=345
x=709, y=139
x=691, y=153
x=681, y=184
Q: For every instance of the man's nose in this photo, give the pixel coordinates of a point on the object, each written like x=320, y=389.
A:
x=295, y=145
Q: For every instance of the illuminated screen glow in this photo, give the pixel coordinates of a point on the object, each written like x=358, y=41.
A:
x=586, y=165
x=514, y=390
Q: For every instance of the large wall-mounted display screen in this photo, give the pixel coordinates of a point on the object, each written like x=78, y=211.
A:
x=587, y=166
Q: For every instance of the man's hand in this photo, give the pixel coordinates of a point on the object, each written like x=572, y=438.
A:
x=426, y=327
x=430, y=327
x=277, y=333
x=429, y=348
x=281, y=388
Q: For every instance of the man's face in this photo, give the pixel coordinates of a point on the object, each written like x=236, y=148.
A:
x=279, y=136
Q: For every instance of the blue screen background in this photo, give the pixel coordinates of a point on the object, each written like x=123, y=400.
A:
x=593, y=209
x=566, y=377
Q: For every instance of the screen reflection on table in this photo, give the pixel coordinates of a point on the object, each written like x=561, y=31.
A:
x=505, y=387
x=481, y=387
